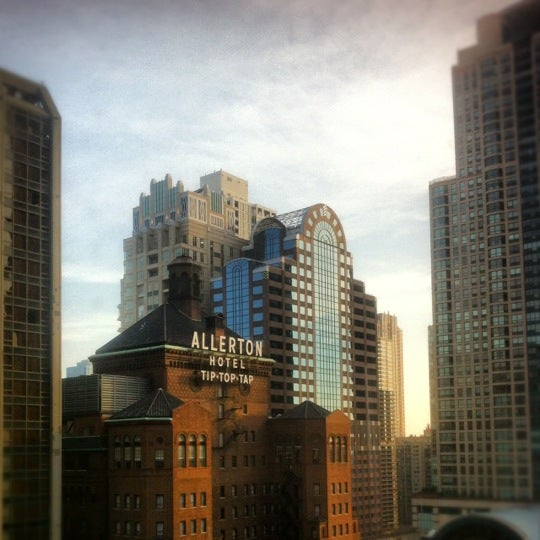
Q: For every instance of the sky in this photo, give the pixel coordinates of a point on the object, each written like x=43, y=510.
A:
x=343, y=102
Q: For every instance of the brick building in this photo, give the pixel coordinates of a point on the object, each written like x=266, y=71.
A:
x=198, y=455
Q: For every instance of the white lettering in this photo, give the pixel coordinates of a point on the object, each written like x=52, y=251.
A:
x=224, y=344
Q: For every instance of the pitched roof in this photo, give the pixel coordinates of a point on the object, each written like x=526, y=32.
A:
x=307, y=409
x=158, y=404
x=165, y=324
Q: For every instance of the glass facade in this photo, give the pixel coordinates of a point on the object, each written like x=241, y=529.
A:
x=30, y=352
x=327, y=317
x=294, y=290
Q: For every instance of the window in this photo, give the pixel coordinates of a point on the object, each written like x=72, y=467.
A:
x=193, y=499
x=316, y=489
x=137, y=456
x=203, y=525
x=127, y=501
x=159, y=456
x=203, y=498
x=159, y=502
x=127, y=452
x=182, y=500
x=137, y=528
x=159, y=529
x=117, y=452
x=193, y=526
x=181, y=450
x=182, y=528
x=116, y=501
x=137, y=502
x=202, y=450
x=192, y=461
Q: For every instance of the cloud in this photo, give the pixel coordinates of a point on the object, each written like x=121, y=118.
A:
x=340, y=101
x=78, y=273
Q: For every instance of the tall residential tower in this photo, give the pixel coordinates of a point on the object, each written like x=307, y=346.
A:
x=30, y=364
x=485, y=242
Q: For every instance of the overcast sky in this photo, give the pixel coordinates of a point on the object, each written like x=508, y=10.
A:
x=343, y=102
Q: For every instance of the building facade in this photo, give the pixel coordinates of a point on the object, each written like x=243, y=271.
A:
x=294, y=287
x=414, y=466
x=198, y=456
x=211, y=225
x=84, y=367
x=485, y=230
x=30, y=363
x=392, y=412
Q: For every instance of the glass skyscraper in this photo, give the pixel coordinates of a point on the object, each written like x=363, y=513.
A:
x=294, y=289
x=30, y=365
x=485, y=242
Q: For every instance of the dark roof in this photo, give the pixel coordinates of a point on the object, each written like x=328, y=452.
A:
x=158, y=404
x=164, y=325
x=307, y=409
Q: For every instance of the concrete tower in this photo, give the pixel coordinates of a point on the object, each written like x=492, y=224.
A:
x=485, y=232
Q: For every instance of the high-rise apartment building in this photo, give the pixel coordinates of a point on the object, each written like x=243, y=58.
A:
x=294, y=288
x=485, y=241
x=391, y=412
x=211, y=225
x=30, y=363
x=414, y=459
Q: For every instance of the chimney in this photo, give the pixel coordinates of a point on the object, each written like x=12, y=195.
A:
x=214, y=325
x=185, y=286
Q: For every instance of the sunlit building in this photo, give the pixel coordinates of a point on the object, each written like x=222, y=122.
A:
x=392, y=412
x=185, y=446
x=294, y=288
x=30, y=363
x=485, y=231
x=210, y=225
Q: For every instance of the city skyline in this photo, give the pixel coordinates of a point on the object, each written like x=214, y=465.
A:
x=289, y=98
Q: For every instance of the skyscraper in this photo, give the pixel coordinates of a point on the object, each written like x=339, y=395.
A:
x=211, y=225
x=294, y=288
x=30, y=364
x=485, y=241
x=392, y=412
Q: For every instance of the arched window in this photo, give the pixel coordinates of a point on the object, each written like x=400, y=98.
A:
x=192, y=451
x=137, y=455
x=127, y=451
x=181, y=450
x=202, y=450
x=338, y=449
x=331, y=449
x=344, y=449
x=117, y=452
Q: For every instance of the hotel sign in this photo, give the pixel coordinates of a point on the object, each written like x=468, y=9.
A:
x=222, y=366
